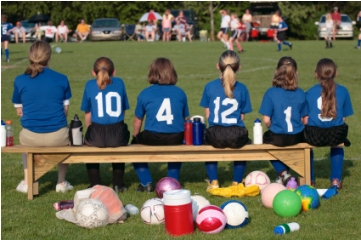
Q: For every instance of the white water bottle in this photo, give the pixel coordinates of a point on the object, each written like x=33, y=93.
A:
x=76, y=132
x=257, y=132
x=131, y=209
x=3, y=134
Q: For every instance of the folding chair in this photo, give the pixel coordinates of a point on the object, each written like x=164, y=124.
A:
x=130, y=32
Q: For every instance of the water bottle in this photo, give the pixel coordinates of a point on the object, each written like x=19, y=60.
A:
x=131, y=209
x=76, y=132
x=9, y=133
x=64, y=205
x=188, y=136
x=197, y=131
x=286, y=228
x=3, y=134
x=257, y=132
x=292, y=184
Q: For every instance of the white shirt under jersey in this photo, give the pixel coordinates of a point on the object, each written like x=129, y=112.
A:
x=225, y=21
x=49, y=31
x=234, y=24
x=62, y=29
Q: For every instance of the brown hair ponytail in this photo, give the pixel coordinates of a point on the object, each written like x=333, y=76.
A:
x=104, y=69
x=229, y=64
x=39, y=56
x=286, y=74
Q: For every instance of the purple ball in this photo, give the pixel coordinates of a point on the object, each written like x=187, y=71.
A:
x=166, y=184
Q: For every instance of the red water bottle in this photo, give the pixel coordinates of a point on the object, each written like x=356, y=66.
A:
x=9, y=128
x=188, y=136
x=64, y=205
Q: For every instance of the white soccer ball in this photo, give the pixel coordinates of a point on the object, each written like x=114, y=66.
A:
x=198, y=202
x=258, y=178
x=236, y=213
x=152, y=211
x=92, y=213
x=58, y=50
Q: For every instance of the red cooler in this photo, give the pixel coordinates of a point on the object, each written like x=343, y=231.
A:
x=178, y=212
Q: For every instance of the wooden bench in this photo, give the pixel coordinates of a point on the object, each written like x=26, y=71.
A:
x=42, y=159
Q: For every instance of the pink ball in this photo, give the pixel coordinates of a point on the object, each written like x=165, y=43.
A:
x=269, y=193
x=211, y=219
x=166, y=184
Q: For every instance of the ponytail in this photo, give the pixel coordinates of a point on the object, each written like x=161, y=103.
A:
x=229, y=64
x=103, y=79
x=286, y=74
x=34, y=69
x=228, y=80
x=104, y=69
x=39, y=56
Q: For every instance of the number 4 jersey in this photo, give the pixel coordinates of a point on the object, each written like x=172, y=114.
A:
x=224, y=111
x=285, y=108
x=165, y=107
x=106, y=106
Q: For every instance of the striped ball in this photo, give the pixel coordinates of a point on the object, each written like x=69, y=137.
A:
x=211, y=219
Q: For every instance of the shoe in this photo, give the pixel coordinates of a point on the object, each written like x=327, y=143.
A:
x=336, y=183
x=22, y=187
x=7, y=60
x=213, y=184
x=279, y=50
x=119, y=189
x=63, y=187
x=242, y=51
x=313, y=184
x=291, y=46
x=357, y=47
x=283, y=178
x=146, y=188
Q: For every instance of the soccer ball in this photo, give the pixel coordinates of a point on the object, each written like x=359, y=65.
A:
x=269, y=193
x=198, y=202
x=309, y=197
x=287, y=203
x=92, y=213
x=211, y=219
x=166, y=184
x=258, y=178
x=236, y=213
x=58, y=50
x=152, y=211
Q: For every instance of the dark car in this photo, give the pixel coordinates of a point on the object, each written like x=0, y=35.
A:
x=192, y=19
x=105, y=29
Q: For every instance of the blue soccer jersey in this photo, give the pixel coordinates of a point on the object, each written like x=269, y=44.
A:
x=225, y=111
x=285, y=109
x=314, y=105
x=165, y=108
x=42, y=100
x=5, y=27
x=106, y=106
x=282, y=25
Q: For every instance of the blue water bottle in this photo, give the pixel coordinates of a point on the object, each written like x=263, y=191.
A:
x=197, y=131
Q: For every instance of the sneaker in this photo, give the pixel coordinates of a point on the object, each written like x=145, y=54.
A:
x=63, y=187
x=119, y=189
x=283, y=178
x=357, y=47
x=336, y=183
x=22, y=187
x=291, y=46
x=213, y=184
x=7, y=60
x=242, y=51
x=146, y=188
x=279, y=180
x=313, y=184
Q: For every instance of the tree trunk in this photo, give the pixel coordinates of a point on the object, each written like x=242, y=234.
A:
x=211, y=19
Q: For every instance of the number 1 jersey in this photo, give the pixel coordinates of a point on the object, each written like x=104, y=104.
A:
x=106, y=106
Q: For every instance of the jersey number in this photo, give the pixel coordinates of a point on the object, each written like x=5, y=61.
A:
x=319, y=106
x=165, y=112
x=108, y=104
x=227, y=112
x=288, y=113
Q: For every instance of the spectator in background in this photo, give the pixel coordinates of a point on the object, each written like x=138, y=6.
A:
x=336, y=18
x=181, y=18
x=247, y=20
x=37, y=31
x=139, y=31
x=170, y=16
x=50, y=31
x=358, y=18
x=359, y=40
x=167, y=25
x=181, y=31
x=62, y=32
x=19, y=30
x=83, y=30
x=223, y=31
x=275, y=21
x=150, y=29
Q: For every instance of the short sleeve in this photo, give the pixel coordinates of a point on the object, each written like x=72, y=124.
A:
x=205, y=98
x=347, y=107
x=139, y=110
x=67, y=92
x=266, y=105
x=186, y=109
x=125, y=102
x=85, y=103
x=16, y=94
x=246, y=104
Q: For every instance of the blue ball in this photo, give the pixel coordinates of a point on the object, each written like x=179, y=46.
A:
x=58, y=50
x=309, y=197
x=236, y=213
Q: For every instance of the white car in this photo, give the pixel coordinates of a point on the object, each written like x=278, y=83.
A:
x=345, y=31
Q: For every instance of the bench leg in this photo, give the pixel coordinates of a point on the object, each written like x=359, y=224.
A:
x=30, y=175
x=307, y=166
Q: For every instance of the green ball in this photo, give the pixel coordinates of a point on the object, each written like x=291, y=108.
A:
x=287, y=204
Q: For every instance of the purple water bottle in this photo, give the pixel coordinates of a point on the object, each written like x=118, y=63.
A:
x=292, y=184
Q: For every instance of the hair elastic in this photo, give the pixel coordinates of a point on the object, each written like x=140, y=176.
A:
x=104, y=68
x=228, y=65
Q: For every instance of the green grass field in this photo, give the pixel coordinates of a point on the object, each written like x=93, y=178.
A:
x=195, y=63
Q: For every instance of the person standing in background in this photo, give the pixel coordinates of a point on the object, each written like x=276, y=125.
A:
x=247, y=20
x=223, y=31
x=5, y=37
x=329, y=30
x=275, y=21
x=336, y=18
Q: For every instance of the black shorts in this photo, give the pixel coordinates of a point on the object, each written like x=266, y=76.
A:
x=235, y=34
x=281, y=36
x=223, y=137
x=49, y=40
x=158, y=139
x=5, y=38
x=224, y=30
x=110, y=135
x=282, y=140
x=322, y=137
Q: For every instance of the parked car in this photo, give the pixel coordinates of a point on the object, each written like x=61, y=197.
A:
x=262, y=15
x=345, y=31
x=28, y=27
x=105, y=29
x=192, y=19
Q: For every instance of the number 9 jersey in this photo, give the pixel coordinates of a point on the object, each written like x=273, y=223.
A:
x=285, y=109
x=165, y=107
x=106, y=106
x=224, y=111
